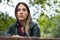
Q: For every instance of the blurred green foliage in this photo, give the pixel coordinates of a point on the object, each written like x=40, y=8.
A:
x=5, y=21
x=4, y=0
x=37, y=1
x=50, y=27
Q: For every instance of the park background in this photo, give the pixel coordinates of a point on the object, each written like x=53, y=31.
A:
x=44, y=12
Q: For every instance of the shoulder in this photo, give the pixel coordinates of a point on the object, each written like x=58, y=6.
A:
x=33, y=25
x=14, y=24
x=11, y=27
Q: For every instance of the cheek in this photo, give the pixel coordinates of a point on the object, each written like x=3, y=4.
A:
x=17, y=15
x=25, y=15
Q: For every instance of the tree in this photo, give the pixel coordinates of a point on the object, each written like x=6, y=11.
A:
x=49, y=17
x=5, y=21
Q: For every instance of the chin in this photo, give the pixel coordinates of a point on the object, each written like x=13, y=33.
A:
x=21, y=19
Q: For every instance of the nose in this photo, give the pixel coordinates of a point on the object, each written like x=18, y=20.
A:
x=21, y=12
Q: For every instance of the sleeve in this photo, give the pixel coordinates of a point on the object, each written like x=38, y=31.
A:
x=36, y=31
x=8, y=31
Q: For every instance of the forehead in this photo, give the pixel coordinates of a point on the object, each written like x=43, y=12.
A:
x=21, y=6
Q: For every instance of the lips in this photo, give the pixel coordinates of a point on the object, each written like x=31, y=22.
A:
x=21, y=16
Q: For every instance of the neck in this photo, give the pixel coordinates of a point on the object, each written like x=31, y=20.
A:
x=22, y=23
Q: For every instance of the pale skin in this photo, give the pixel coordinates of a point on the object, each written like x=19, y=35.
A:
x=21, y=15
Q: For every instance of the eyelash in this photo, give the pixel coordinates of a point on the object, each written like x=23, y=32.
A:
x=22, y=9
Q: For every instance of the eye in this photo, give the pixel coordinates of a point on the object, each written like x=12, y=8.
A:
x=24, y=9
x=18, y=9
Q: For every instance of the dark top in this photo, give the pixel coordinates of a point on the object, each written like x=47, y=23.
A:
x=20, y=31
x=34, y=30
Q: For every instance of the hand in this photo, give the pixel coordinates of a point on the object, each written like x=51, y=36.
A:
x=16, y=36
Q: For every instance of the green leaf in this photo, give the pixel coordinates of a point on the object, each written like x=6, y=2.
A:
x=0, y=0
x=8, y=0
x=57, y=11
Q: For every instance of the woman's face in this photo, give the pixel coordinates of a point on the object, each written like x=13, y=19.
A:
x=22, y=12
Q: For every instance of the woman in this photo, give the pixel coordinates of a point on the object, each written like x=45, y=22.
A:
x=24, y=25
